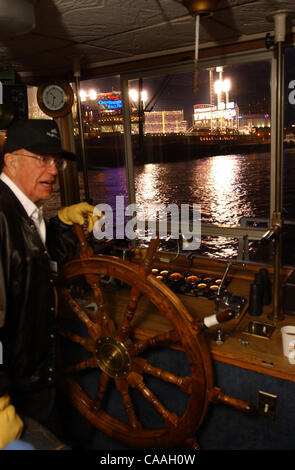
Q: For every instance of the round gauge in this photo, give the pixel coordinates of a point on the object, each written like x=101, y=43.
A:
x=55, y=98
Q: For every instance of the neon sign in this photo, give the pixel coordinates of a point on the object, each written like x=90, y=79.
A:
x=110, y=100
x=110, y=104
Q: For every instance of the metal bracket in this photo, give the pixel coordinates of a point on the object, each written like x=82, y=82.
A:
x=267, y=404
x=262, y=330
x=269, y=41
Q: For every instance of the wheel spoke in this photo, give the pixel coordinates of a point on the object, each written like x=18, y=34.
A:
x=88, y=364
x=125, y=327
x=146, y=266
x=123, y=388
x=142, y=366
x=87, y=343
x=144, y=269
x=170, y=337
x=136, y=381
x=93, y=328
x=107, y=324
x=103, y=385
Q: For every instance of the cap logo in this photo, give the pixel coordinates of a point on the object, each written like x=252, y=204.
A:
x=53, y=134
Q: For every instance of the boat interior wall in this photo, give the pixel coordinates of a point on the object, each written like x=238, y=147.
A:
x=139, y=40
x=249, y=432
x=223, y=428
x=138, y=30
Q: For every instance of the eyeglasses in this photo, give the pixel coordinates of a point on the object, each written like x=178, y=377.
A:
x=46, y=161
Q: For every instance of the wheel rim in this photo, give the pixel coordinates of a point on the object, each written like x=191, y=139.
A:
x=125, y=356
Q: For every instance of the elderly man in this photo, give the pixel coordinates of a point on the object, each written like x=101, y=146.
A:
x=30, y=251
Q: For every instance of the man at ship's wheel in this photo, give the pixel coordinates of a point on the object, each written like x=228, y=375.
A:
x=30, y=251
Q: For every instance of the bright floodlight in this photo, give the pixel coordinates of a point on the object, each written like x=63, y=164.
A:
x=133, y=94
x=218, y=86
x=92, y=94
x=144, y=95
x=226, y=85
x=83, y=95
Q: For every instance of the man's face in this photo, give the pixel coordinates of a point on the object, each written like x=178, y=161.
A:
x=36, y=182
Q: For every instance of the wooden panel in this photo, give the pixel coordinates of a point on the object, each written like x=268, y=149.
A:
x=260, y=354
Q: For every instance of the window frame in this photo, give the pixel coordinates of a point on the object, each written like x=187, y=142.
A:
x=204, y=63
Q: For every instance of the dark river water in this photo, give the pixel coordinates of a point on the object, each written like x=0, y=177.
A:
x=227, y=188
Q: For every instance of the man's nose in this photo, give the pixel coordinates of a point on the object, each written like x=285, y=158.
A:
x=52, y=169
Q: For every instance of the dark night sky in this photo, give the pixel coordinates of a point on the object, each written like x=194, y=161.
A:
x=250, y=83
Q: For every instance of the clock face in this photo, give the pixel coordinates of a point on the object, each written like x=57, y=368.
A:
x=54, y=97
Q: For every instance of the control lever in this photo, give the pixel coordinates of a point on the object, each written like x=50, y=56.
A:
x=224, y=298
x=217, y=318
x=223, y=279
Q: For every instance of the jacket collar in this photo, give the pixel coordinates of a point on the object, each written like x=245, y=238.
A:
x=30, y=208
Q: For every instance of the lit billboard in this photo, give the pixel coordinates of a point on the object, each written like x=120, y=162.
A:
x=110, y=101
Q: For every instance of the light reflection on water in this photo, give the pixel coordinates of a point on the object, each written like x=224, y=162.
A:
x=228, y=187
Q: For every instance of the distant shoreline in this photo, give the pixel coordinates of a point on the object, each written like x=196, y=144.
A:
x=109, y=151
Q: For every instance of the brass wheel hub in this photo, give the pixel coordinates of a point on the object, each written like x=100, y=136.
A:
x=112, y=357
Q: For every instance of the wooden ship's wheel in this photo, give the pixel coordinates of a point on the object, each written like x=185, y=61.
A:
x=122, y=358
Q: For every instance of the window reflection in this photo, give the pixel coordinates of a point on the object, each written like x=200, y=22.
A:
x=210, y=148
x=223, y=179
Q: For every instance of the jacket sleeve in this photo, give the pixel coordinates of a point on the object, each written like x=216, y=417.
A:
x=61, y=241
x=2, y=291
x=4, y=378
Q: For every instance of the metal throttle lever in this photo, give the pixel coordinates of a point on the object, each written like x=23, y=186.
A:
x=229, y=264
x=223, y=278
x=224, y=298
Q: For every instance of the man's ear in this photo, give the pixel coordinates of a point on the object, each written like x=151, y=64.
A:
x=10, y=162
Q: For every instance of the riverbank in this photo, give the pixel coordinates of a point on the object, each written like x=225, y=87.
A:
x=108, y=150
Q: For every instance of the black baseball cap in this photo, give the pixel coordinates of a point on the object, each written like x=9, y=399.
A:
x=39, y=136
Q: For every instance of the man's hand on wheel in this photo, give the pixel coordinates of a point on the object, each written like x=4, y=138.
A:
x=76, y=213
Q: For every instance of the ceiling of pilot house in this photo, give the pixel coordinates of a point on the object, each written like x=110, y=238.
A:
x=105, y=32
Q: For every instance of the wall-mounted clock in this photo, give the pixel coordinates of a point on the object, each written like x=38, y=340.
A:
x=55, y=98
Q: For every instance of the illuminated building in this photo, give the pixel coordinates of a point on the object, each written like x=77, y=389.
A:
x=221, y=115
x=221, y=118
x=255, y=123
x=103, y=114
x=164, y=122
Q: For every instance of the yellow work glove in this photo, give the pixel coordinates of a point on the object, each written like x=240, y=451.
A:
x=75, y=214
x=11, y=425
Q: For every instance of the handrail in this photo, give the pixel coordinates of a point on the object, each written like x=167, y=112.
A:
x=234, y=231
x=242, y=232
x=250, y=229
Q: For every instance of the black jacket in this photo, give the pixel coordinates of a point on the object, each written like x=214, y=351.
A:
x=27, y=296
